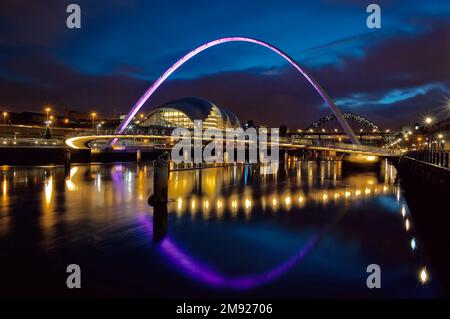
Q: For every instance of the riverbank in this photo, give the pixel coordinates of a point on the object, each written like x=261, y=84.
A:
x=42, y=155
x=426, y=190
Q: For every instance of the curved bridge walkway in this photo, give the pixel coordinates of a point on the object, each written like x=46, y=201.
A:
x=84, y=141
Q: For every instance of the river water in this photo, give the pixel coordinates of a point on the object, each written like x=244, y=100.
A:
x=303, y=229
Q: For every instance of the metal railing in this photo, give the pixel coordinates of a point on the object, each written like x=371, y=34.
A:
x=348, y=146
x=440, y=158
x=143, y=131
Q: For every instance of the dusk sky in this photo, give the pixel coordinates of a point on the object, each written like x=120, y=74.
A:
x=394, y=75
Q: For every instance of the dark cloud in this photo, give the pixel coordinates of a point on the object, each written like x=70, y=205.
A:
x=410, y=110
x=42, y=24
x=399, y=62
x=273, y=96
x=26, y=23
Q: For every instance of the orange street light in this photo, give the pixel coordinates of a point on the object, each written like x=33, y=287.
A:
x=93, y=114
x=47, y=111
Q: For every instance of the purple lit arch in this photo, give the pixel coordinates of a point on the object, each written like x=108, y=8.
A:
x=348, y=130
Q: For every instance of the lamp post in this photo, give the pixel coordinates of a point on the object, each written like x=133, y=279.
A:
x=47, y=111
x=428, y=121
x=5, y=115
x=93, y=114
x=440, y=142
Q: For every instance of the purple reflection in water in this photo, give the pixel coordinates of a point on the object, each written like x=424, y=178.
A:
x=117, y=175
x=203, y=273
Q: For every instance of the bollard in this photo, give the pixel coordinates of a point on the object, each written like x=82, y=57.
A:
x=160, y=181
x=159, y=197
x=138, y=156
x=67, y=160
x=160, y=222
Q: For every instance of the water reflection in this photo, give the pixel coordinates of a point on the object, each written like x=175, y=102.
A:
x=287, y=209
x=424, y=277
x=210, y=192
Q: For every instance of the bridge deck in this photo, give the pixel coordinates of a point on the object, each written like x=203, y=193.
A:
x=81, y=142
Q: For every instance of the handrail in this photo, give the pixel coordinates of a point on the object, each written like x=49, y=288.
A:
x=439, y=158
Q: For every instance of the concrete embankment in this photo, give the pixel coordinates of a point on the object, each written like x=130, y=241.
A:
x=18, y=156
x=40, y=156
x=426, y=188
x=424, y=174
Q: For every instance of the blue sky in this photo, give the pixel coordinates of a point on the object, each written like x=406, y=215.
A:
x=392, y=75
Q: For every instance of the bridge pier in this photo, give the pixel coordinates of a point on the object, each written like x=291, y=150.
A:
x=67, y=161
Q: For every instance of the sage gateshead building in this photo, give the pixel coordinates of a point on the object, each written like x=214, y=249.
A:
x=183, y=112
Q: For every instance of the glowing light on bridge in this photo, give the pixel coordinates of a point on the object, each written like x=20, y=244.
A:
x=205, y=46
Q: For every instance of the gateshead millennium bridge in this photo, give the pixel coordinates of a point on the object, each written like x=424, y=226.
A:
x=293, y=142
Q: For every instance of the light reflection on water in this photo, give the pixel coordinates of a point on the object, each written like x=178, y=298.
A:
x=213, y=197
x=268, y=217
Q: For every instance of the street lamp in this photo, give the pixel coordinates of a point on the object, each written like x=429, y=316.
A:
x=429, y=120
x=93, y=114
x=5, y=115
x=47, y=111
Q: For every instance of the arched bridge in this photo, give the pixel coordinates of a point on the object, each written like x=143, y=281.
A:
x=83, y=141
x=330, y=124
x=326, y=98
x=328, y=127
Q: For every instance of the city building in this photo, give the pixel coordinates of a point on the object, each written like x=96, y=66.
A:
x=183, y=112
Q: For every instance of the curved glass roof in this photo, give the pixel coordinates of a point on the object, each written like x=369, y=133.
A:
x=198, y=109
